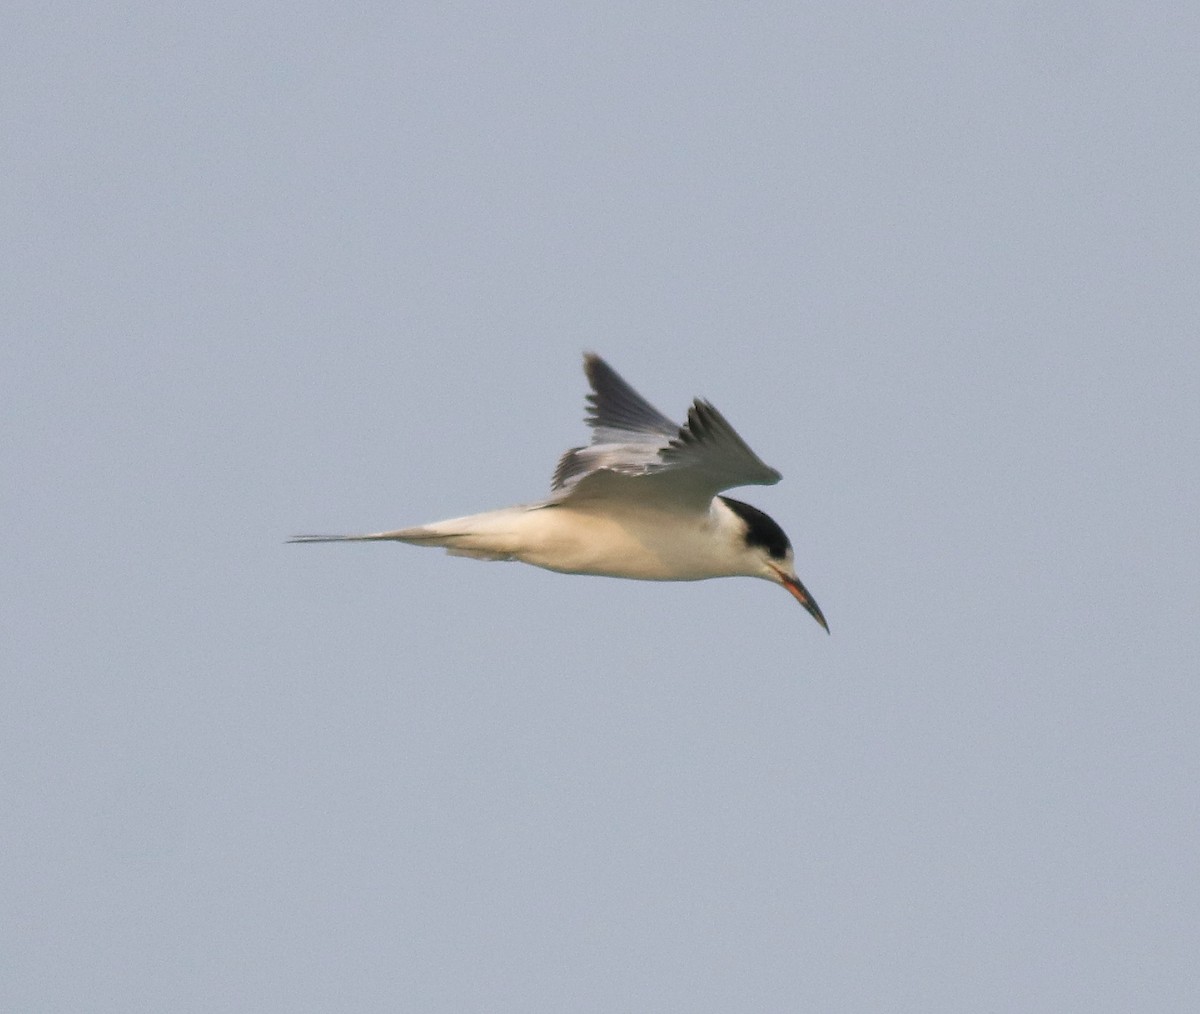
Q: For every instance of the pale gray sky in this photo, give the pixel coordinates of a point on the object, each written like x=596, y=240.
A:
x=272, y=269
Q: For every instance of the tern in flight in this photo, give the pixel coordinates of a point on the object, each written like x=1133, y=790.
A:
x=641, y=501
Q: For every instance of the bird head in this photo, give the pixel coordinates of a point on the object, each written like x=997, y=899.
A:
x=768, y=554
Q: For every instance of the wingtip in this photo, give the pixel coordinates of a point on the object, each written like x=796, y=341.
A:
x=592, y=365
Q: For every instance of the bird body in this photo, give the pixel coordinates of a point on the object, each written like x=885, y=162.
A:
x=639, y=502
x=581, y=539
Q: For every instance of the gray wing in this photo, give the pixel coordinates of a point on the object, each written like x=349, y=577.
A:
x=617, y=413
x=637, y=452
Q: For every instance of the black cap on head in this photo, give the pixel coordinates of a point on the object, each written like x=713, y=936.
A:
x=760, y=529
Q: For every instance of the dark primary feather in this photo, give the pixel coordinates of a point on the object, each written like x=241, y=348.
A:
x=614, y=405
x=707, y=430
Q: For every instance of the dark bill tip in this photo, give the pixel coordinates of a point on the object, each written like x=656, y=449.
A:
x=800, y=594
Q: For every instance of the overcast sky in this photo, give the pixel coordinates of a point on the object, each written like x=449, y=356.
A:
x=282, y=268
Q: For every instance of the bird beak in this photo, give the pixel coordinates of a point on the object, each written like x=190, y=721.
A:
x=800, y=594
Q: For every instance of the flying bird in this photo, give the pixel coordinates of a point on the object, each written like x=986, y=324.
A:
x=641, y=501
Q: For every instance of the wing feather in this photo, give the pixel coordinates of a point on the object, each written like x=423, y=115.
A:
x=709, y=444
x=617, y=413
x=636, y=452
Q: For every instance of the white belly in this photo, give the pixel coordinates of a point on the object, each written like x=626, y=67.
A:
x=645, y=546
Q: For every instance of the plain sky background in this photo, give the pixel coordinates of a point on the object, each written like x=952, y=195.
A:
x=274, y=268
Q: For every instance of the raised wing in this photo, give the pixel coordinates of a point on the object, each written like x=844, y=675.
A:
x=617, y=413
x=708, y=444
x=637, y=453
